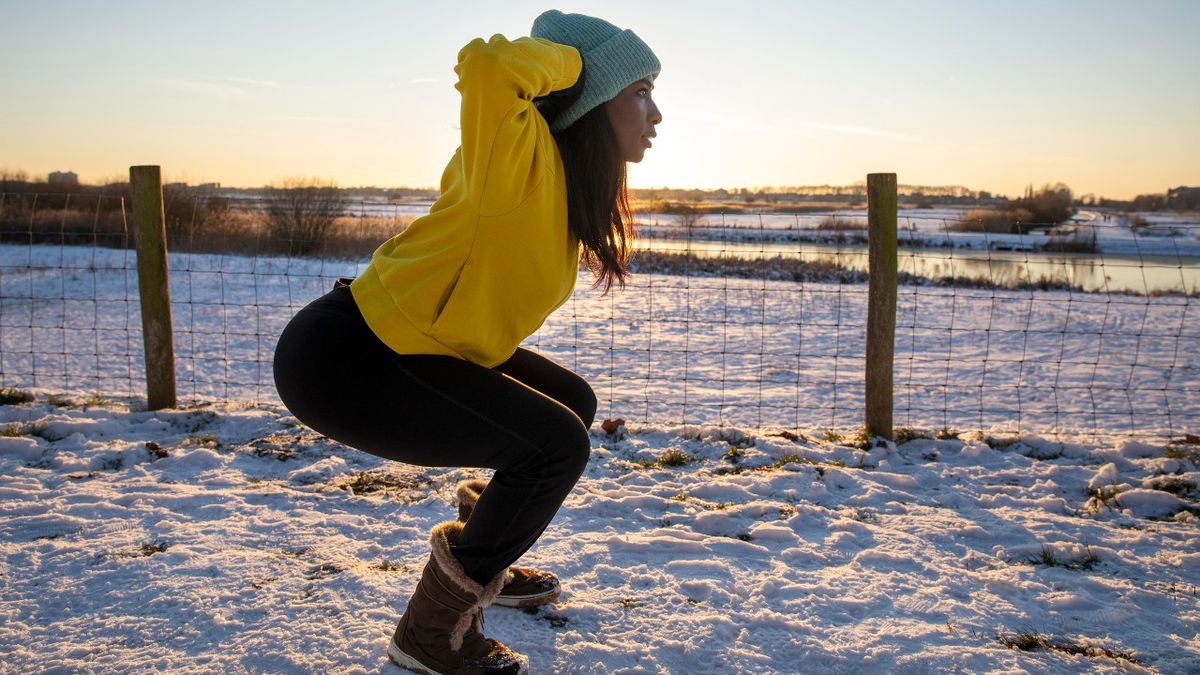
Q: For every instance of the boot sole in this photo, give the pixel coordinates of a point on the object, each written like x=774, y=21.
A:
x=405, y=661
x=526, y=601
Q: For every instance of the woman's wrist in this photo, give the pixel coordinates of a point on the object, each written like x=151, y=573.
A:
x=554, y=103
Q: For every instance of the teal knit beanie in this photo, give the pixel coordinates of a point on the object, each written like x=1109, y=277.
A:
x=612, y=58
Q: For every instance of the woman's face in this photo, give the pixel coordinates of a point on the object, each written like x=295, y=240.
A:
x=633, y=116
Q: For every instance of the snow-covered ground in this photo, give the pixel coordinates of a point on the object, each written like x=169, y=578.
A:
x=755, y=353
x=226, y=538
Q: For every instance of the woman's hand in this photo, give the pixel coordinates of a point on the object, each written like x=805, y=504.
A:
x=554, y=103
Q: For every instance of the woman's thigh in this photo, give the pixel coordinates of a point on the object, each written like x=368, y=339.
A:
x=450, y=412
x=337, y=378
x=553, y=380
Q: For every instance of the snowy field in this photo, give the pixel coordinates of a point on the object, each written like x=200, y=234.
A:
x=226, y=538
x=1051, y=527
x=1166, y=233
x=752, y=353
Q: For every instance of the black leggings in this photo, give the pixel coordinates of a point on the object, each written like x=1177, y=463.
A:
x=527, y=419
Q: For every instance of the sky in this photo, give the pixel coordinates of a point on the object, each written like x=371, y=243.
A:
x=1100, y=95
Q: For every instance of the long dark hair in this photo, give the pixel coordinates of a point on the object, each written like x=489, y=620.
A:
x=598, y=210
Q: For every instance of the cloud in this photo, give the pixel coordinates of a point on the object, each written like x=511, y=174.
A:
x=253, y=82
x=218, y=90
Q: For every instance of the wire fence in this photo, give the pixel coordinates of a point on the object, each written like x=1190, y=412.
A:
x=754, y=320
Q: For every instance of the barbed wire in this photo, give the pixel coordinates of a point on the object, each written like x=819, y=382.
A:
x=753, y=320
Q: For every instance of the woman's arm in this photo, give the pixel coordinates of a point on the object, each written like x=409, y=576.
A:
x=499, y=81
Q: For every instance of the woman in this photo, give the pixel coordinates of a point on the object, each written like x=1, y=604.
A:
x=417, y=360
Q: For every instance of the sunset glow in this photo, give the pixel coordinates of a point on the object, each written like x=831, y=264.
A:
x=994, y=96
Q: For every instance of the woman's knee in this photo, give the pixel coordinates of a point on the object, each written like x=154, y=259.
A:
x=585, y=405
x=580, y=450
x=565, y=448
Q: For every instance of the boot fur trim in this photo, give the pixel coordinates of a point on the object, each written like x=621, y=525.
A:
x=468, y=491
x=440, y=538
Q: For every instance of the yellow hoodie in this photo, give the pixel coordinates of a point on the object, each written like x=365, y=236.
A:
x=494, y=256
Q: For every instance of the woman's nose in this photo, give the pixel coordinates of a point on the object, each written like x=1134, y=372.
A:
x=655, y=114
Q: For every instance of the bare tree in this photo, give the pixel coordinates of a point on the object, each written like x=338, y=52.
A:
x=191, y=211
x=13, y=179
x=300, y=211
x=687, y=214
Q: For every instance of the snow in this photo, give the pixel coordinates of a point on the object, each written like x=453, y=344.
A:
x=1152, y=503
x=225, y=538
x=1107, y=475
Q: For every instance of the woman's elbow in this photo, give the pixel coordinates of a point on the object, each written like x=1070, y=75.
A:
x=478, y=59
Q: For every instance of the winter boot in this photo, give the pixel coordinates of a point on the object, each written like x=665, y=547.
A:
x=440, y=630
x=526, y=586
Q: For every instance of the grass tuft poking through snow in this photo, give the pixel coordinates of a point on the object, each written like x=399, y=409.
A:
x=11, y=396
x=1185, y=452
x=1029, y=641
x=367, y=482
x=1047, y=557
x=1104, y=497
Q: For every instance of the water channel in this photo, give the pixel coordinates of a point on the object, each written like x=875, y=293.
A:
x=1092, y=272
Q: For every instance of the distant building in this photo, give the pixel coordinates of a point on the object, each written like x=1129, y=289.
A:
x=63, y=178
x=1183, y=198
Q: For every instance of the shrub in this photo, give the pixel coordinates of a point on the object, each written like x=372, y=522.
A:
x=1050, y=205
x=1008, y=221
x=301, y=211
x=188, y=210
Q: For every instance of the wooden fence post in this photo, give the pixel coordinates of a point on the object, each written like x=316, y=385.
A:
x=145, y=183
x=881, y=302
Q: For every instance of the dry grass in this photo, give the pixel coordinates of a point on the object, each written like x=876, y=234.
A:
x=716, y=207
x=780, y=268
x=991, y=221
x=229, y=229
x=833, y=223
x=67, y=227
x=246, y=233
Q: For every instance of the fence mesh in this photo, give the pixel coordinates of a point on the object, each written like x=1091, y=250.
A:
x=750, y=320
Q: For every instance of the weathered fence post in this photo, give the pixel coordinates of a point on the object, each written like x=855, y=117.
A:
x=881, y=302
x=145, y=183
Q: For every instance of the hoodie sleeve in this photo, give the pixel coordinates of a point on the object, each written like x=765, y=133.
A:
x=503, y=134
